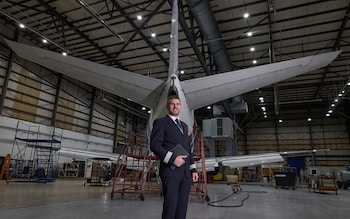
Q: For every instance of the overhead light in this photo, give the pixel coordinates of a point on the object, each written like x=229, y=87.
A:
x=327, y=114
x=340, y=95
x=208, y=107
x=64, y=53
x=182, y=72
x=165, y=49
x=139, y=17
x=22, y=25
x=254, y=61
x=44, y=40
x=249, y=34
x=153, y=35
x=330, y=111
x=280, y=120
x=143, y=108
x=261, y=99
x=309, y=119
x=252, y=49
x=245, y=15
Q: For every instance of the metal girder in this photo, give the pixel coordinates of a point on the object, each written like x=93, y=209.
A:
x=335, y=47
x=149, y=43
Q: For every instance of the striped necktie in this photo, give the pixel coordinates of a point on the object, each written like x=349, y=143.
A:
x=178, y=123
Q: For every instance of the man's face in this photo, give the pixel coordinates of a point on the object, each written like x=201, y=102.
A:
x=174, y=106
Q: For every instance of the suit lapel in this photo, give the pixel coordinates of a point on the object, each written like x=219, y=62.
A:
x=172, y=123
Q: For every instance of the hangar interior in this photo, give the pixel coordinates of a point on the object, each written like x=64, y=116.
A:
x=310, y=111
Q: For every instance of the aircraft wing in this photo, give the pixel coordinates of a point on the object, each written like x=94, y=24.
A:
x=210, y=163
x=139, y=88
x=254, y=159
x=204, y=91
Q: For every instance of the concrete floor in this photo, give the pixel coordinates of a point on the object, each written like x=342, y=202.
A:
x=68, y=198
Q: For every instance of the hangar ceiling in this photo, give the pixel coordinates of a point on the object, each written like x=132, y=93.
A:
x=109, y=32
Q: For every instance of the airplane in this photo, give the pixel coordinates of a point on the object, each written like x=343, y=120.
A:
x=194, y=93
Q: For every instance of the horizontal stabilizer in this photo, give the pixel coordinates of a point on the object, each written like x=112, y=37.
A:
x=139, y=88
x=204, y=91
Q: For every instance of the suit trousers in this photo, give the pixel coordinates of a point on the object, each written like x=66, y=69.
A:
x=176, y=194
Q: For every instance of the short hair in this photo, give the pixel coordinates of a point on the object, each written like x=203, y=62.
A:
x=173, y=97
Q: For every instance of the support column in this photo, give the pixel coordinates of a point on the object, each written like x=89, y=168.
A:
x=7, y=77
x=115, y=135
x=347, y=116
x=57, y=97
x=6, y=83
x=212, y=151
x=92, y=107
x=229, y=147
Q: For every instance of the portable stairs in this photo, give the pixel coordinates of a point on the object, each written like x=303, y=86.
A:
x=199, y=188
x=135, y=171
x=33, y=156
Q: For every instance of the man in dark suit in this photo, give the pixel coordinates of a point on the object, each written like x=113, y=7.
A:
x=176, y=170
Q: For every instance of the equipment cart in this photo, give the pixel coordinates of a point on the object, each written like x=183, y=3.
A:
x=98, y=172
x=286, y=179
x=323, y=183
x=343, y=181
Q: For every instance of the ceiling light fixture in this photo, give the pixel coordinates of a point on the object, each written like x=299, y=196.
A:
x=23, y=25
x=264, y=111
x=153, y=35
x=338, y=98
x=252, y=49
x=249, y=34
x=246, y=15
x=254, y=61
x=139, y=17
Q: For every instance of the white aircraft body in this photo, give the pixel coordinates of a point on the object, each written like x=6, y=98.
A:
x=194, y=93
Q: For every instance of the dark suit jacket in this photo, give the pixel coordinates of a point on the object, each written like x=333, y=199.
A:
x=165, y=136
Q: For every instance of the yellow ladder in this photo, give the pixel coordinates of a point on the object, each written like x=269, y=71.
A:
x=5, y=167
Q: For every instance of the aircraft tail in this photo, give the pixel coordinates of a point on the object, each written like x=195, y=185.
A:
x=174, y=41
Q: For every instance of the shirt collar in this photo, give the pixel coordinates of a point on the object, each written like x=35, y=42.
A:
x=173, y=117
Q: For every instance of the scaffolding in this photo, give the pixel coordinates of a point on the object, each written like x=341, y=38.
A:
x=34, y=156
x=137, y=172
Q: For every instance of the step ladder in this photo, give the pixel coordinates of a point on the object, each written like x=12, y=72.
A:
x=5, y=167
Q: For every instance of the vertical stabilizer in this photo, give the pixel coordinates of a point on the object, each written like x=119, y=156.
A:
x=173, y=60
